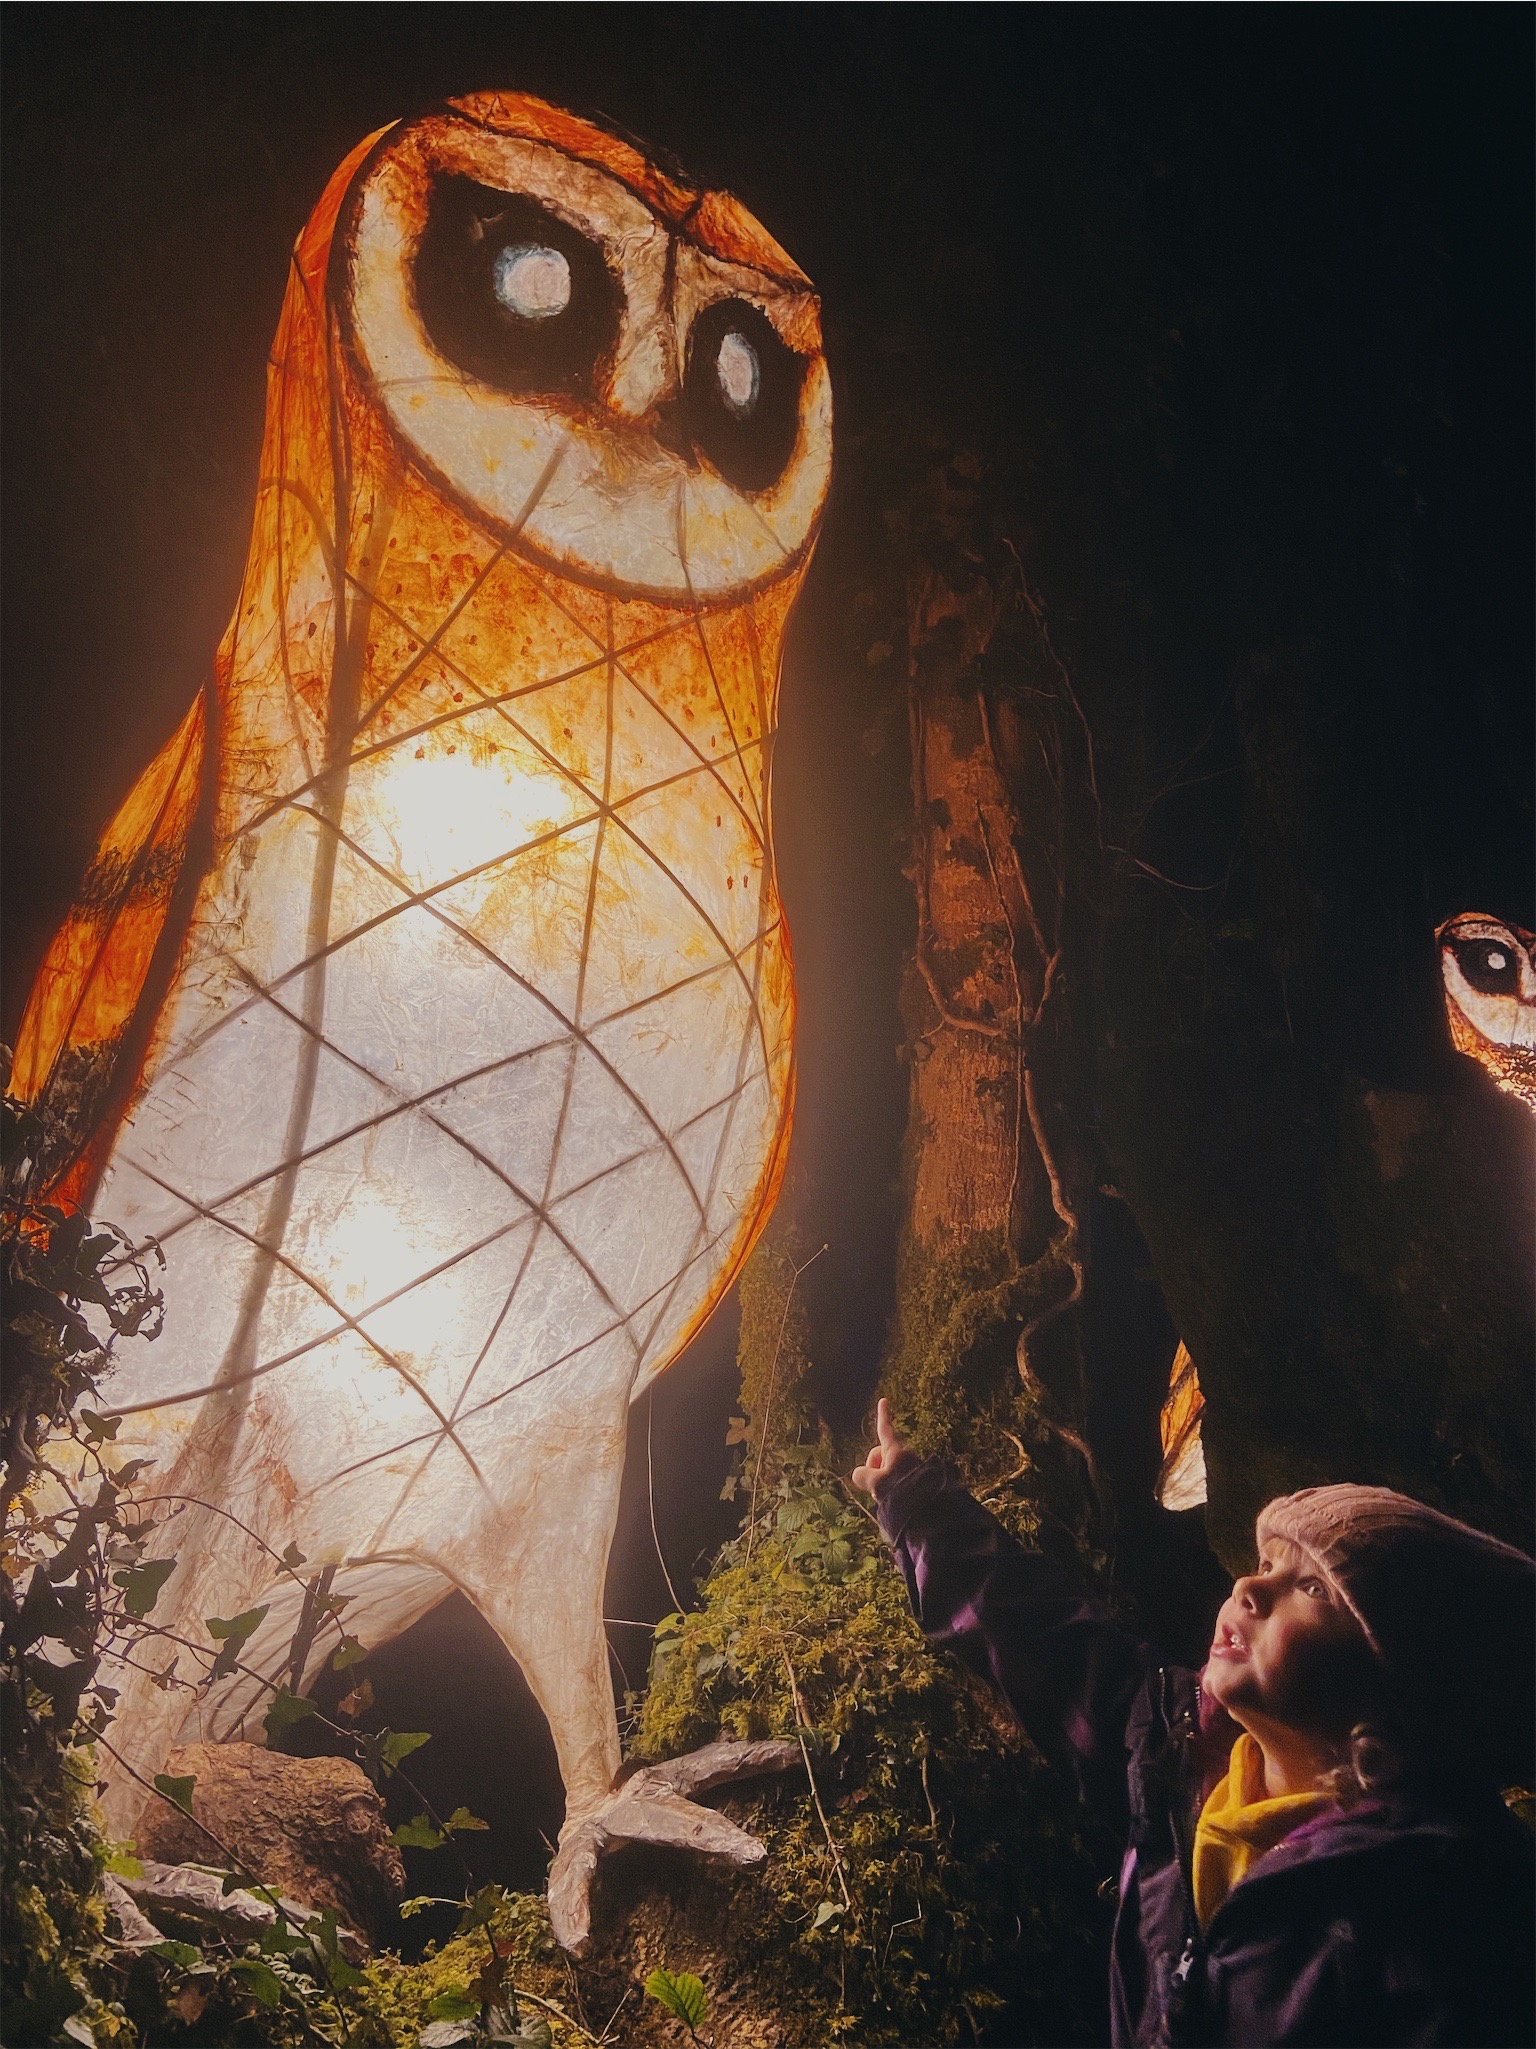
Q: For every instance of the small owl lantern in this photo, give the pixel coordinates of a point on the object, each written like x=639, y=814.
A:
x=1490, y=998
x=429, y=999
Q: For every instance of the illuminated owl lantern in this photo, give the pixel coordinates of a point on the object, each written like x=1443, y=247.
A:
x=429, y=1000
x=1490, y=997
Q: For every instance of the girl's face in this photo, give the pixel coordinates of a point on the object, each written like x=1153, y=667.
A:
x=1286, y=1652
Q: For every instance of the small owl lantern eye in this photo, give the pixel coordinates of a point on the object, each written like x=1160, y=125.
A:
x=740, y=378
x=1491, y=967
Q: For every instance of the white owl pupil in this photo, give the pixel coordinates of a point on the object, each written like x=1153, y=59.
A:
x=736, y=368
x=532, y=281
x=1497, y=961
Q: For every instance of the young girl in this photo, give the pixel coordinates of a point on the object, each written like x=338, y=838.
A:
x=1317, y=1850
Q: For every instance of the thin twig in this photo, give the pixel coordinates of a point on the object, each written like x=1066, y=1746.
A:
x=802, y=1725
x=1036, y=609
x=613, y=2017
x=309, y=1623
x=933, y=1813
x=560, y=2013
x=1008, y=1478
x=650, y=1489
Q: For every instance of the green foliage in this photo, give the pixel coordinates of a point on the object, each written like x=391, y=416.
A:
x=417, y=1834
x=397, y=1744
x=950, y=1879
x=178, y=1791
x=141, y=1585
x=286, y=1709
x=683, y=1996
x=499, y=1979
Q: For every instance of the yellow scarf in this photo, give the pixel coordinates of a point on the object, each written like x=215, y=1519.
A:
x=1238, y=1824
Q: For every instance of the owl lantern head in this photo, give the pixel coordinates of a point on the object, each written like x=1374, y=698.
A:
x=620, y=374
x=1489, y=969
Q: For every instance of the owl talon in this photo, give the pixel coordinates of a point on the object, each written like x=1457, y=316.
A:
x=652, y=1806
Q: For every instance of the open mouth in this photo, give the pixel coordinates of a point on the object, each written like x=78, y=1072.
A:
x=1227, y=1643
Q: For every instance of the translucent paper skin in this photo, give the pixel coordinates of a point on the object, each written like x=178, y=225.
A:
x=430, y=1000
x=1181, y=1477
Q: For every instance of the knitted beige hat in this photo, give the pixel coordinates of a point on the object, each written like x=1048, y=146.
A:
x=1449, y=1611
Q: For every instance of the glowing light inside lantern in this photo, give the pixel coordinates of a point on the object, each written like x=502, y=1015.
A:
x=450, y=815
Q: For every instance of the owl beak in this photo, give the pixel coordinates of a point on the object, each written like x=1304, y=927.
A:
x=668, y=428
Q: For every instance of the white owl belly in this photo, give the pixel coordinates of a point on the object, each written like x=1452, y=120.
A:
x=499, y=1133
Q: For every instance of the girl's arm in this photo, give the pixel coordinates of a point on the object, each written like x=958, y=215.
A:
x=1067, y=1670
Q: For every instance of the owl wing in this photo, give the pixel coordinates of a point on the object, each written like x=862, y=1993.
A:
x=89, y=1021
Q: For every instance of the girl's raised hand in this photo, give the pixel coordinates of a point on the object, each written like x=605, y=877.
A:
x=884, y=1456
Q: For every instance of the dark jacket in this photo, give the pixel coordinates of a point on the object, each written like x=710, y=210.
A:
x=1392, y=1922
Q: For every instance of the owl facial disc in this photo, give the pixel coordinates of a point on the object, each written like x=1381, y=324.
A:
x=587, y=364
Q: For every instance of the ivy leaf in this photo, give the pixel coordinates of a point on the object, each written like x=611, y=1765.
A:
x=325, y=1931
x=479, y=1910
x=737, y=1434
x=241, y=1626
x=278, y=1941
x=233, y=1635
x=454, y=2003
x=417, y=1834
x=350, y=1653
x=178, y=1791
x=141, y=1585
x=186, y=1956
x=261, y=1983
x=829, y=1910
x=399, y=1743
x=286, y=1709
x=100, y=1428
x=462, y=1818
x=681, y=1993
x=293, y=1558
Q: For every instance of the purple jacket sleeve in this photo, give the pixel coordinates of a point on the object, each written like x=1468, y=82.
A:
x=1058, y=1659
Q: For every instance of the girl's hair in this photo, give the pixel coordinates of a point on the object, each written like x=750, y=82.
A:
x=1377, y=1760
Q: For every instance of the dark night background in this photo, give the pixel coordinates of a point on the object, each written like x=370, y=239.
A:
x=1236, y=301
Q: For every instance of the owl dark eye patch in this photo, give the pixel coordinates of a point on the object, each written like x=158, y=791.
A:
x=1491, y=966
x=741, y=394
x=513, y=294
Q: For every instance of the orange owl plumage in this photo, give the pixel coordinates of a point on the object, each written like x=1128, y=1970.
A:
x=429, y=999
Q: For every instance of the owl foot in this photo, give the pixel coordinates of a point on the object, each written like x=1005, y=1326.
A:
x=652, y=1806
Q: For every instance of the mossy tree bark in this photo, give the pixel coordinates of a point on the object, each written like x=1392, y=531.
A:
x=986, y=1350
